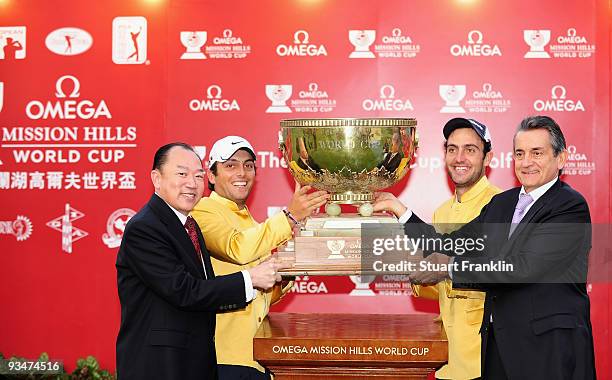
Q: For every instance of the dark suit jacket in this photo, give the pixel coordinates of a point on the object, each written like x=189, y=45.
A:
x=391, y=162
x=168, y=307
x=541, y=310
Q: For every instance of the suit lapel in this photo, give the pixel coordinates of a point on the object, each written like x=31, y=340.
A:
x=210, y=274
x=535, y=209
x=177, y=230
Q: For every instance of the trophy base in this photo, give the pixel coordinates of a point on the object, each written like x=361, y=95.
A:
x=193, y=55
x=452, y=109
x=537, y=54
x=362, y=54
x=349, y=197
x=278, y=109
x=328, y=246
x=362, y=292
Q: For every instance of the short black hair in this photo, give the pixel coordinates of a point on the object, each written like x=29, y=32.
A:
x=557, y=140
x=161, y=156
x=213, y=170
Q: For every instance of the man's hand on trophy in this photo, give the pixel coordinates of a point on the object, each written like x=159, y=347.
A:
x=436, y=266
x=388, y=202
x=303, y=204
x=265, y=275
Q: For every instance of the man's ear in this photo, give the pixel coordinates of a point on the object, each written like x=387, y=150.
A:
x=211, y=176
x=562, y=159
x=156, y=178
x=488, y=157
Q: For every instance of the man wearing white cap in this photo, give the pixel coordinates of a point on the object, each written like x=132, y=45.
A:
x=236, y=242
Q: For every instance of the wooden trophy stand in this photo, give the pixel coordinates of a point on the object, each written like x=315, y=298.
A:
x=348, y=346
x=344, y=346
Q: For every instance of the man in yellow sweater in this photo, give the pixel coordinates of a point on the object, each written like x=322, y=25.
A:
x=468, y=153
x=237, y=242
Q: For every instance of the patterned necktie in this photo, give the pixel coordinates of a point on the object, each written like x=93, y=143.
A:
x=190, y=225
x=519, y=212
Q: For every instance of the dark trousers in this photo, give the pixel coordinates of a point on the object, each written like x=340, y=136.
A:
x=493, y=365
x=240, y=372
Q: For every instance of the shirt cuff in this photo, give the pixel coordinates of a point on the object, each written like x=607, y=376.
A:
x=249, y=291
x=405, y=216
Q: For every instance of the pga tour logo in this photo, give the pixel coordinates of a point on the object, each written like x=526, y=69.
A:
x=68, y=41
x=278, y=95
x=301, y=47
x=452, y=94
x=68, y=106
x=475, y=47
x=214, y=101
x=387, y=101
x=129, y=40
x=558, y=102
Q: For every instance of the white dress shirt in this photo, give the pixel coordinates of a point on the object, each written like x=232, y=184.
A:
x=250, y=292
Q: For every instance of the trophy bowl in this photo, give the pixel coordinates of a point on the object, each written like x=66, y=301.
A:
x=350, y=158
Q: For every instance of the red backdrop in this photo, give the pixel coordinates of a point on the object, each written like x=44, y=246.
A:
x=89, y=90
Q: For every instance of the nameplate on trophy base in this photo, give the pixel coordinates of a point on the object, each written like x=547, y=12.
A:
x=350, y=346
x=328, y=246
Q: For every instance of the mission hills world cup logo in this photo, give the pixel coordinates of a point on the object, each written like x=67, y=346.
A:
x=452, y=95
x=278, y=95
x=362, y=285
x=362, y=40
x=193, y=41
x=537, y=41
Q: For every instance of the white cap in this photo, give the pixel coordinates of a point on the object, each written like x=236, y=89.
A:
x=225, y=148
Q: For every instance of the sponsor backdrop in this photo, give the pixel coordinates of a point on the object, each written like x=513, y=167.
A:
x=89, y=90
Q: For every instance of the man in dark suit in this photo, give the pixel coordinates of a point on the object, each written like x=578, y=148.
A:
x=393, y=158
x=536, y=322
x=168, y=291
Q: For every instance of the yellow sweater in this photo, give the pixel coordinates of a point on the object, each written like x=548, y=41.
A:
x=461, y=310
x=237, y=242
